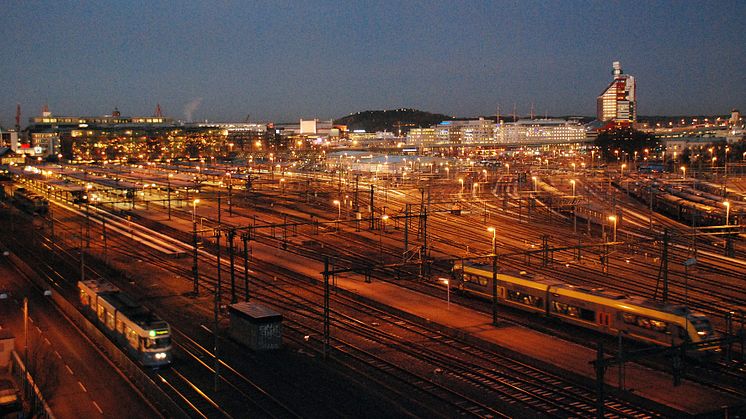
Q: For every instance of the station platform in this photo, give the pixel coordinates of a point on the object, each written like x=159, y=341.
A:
x=639, y=382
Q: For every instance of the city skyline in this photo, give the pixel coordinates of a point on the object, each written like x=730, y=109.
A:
x=287, y=61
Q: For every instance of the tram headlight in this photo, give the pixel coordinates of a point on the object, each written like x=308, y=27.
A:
x=160, y=355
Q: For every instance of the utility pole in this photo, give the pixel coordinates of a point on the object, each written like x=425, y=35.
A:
x=372, y=208
x=216, y=319
x=494, y=288
x=195, y=269
x=25, y=344
x=406, y=232
x=245, y=237
x=663, y=270
x=230, y=236
x=326, y=307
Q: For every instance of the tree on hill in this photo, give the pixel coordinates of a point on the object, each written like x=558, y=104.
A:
x=618, y=142
x=391, y=120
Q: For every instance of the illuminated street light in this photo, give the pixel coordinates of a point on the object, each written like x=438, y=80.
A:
x=194, y=209
x=448, y=290
x=461, y=181
x=168, y=191
x=727, y=211
x=612, y=218
x=683, y=172
x=493, y=230
x=339, y=209
x=622, y=172
x=507, y=168
x=572, y=182
x=535, y=180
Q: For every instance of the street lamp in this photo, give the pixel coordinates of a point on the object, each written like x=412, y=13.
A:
x=572, y=182
x=727, y=211
x=507, y=168
x=461, y=181
x=612, y=218
x=194, y=209
x=534, y=179
x=339, y=209
x=170, y=175
x=448, y=290
x=683, y=172
x=622, y=172
x=493, y=230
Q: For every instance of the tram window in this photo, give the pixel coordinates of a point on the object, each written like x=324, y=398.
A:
x=157, y=343
x=132, y=337
x=629, y=318
x=658, y=325
x=110, y=320
x=588, y=315
x=643, y=322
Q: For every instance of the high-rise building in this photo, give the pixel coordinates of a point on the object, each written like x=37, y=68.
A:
x=618, y=102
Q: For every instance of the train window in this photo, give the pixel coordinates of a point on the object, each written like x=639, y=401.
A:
x=629, y=318
x=475, y=279
x=132, y=337
x=588, y=315
x=527, y=299
x=658, y=325
x=157, y=343
x=110, y=320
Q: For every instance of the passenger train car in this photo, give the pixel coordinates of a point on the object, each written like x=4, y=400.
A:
x=133, y=327
x=30, y=202
x=598, y=309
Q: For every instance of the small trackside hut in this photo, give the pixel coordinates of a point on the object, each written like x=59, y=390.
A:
x=256, y=326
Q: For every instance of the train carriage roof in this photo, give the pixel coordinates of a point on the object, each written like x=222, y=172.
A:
x=136, y=313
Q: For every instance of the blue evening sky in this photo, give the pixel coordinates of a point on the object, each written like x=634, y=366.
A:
x=280, y=61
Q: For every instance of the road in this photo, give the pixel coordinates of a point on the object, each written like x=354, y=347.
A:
x=74, y=377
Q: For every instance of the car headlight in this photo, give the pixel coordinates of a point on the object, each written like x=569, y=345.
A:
x=160, y=355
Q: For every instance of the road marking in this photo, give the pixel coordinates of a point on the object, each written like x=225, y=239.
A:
x=69, y=370
x=205, y=327
x=82, y=386
x=58, y=354
x=98, y=408
x=37, y=328
x=47, y=341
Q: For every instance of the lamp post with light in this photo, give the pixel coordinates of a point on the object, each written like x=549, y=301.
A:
x=170, y=175
x=494, y=239
x=195, y=268
x=727, y=212
x=612, y=218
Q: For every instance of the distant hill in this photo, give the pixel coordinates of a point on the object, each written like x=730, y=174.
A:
x=391, y=120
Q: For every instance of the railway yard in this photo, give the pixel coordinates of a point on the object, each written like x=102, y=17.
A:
x=376, y=321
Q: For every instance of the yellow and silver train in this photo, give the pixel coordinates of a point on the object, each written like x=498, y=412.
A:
x=598, y=309
x=133, y=327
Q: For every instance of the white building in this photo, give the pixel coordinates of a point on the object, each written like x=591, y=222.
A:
x=540, y=131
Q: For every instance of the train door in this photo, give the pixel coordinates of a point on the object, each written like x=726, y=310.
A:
x=501, y=292
x=603, y=319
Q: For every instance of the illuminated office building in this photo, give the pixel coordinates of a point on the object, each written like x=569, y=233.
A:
x=617, y=104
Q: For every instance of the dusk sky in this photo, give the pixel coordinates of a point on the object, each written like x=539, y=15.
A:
x=281, y=61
